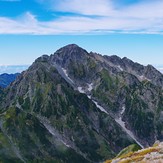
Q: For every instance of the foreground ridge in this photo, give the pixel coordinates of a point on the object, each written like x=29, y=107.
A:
x=152, y=154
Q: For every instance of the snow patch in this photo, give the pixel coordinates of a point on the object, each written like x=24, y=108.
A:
x=142, y=77
x=123, y=110
x=120, y=68
x=100, y=107
x=89, y=96
x=118, y=120
x=90, y=87
x=66, y=74
x=122, y=124
x=80, y=89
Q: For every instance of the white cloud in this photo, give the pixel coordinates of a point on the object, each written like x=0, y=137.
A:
x=144, y=17
x=145, y=9
x=26, y=24
x=86, y=7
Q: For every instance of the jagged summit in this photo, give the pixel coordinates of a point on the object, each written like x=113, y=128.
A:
x=71, y=46
x=68, y=54
x=71, y=49
x=43, y=58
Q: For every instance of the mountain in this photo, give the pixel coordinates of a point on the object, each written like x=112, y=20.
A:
x=132, y=155
x=75, y=106
x=6, y=79
x=126, y=90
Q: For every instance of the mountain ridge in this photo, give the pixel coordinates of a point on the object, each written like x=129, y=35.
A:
x=6, y=79
x=133, y=154
x=135, y=73
x=84, y=101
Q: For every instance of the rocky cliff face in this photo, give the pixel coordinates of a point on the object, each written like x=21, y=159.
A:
x=75, y=106
x=116, y=84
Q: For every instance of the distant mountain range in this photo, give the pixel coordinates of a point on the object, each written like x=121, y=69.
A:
x=75, y=106
x=6, y=79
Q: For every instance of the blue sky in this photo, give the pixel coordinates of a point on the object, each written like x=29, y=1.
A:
x=131, y=28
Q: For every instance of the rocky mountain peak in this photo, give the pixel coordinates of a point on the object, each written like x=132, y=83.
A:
x=70, y=50
x=70, y=46
x=43, y=58
x=127, y=61
x=66, y=54
x=114, y=59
